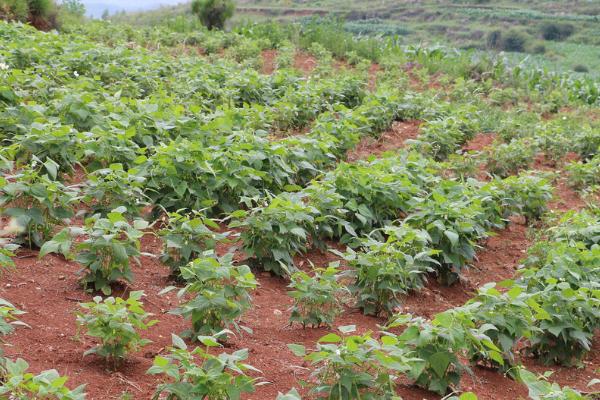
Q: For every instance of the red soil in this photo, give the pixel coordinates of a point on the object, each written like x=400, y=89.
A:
x=269, y=58
x=373, y=71
x=392, y=139
x=480, y=142
x=305, y=62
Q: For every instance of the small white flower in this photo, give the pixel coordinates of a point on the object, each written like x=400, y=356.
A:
x=3, y=66
x=76, y=74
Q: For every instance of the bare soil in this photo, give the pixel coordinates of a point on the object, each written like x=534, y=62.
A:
x=392, y=139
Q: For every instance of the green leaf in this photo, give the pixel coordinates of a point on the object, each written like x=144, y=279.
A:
x=330, y=338
x=297, y=349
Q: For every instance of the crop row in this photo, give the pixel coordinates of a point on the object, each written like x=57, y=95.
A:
x=549, y=311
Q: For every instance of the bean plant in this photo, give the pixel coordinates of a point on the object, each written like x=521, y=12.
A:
x=386, y=271
x=116, y=323
x=218, y=293
x=8, y=317
x=186, y=237
x=37, y=202
x=216, y=377
x=355, y=366
x=317, y=298
x=16, y=383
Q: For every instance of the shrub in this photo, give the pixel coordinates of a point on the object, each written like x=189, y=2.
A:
x=115, y=322
x=213, y=13
x=40, y=8
x=538, y=48
x=556, y=31
x=514, y=40
x=219, y=377
x=316, y=298
x=14, y=10
x=219, y=294
x=581, y=68
x=494, y=39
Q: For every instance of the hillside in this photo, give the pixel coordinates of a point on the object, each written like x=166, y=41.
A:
x=458, y=24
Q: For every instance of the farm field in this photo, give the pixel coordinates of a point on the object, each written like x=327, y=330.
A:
x=247, y=214
x=556, y=35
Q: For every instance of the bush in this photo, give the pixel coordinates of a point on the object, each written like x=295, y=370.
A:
x=213, y=13
x=494, y=39
x=556, y=31
x=538, y=48
x=514, y=40
x=580, y=68
x=14, y=10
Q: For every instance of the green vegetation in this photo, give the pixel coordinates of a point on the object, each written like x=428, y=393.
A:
x=232, y=163
x=219, y=293
x=213, y=13
x=115, y=322
x=219, y=377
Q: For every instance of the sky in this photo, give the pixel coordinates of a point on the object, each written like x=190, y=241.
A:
x=96, y=7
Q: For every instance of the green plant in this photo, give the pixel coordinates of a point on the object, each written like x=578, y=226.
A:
x=317, y=298
x=219, y=293
x=112, y=187
x=541, y=389
x=8, y=317
x=567, y=319
x=505, y=159
x=584, y=175
x=291, y=395
x=504, y=312
x=116, y=323
x=275, y=233
x=556, y=31
x=514, y=40
x=524, y=194
x=37, y=203
x=455, y=221
x=439, y=344
x=388, y=270
x=219, y=377
x=355, y=367
x=18, y=384
x=213, y=13
x=186, y=237
x=106, y=250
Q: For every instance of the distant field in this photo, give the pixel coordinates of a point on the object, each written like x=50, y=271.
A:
x=446, y=22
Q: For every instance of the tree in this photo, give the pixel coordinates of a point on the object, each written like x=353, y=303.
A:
x=213, y=13
x=74, y=7
x=105, y=14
